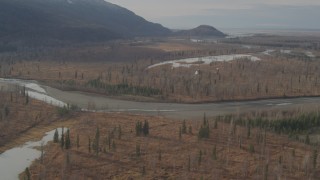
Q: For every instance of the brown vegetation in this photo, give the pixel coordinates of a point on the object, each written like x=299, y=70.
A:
x=101, y=67
x=167, y=153
x=19, y=115
x=237, y=80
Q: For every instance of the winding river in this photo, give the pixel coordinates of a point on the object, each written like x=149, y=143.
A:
x=14, y=161
x=172, y=110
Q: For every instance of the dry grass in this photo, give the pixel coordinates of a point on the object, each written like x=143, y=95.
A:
x=236, y=80
x=232, y=161
x=279, y=75
x=22, y=118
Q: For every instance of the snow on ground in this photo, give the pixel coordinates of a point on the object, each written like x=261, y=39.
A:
x=35, y=87
x=268, y=52
x=15, y=160
x=205, y=60
x=196, y=40
x=285, y=51
x=35, y=91
x=45, y=98
x=310, y=54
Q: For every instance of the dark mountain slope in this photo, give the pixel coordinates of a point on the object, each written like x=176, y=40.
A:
x=203, y=30
x=71, y=20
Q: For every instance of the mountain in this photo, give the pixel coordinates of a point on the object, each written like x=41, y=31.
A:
x=203, y=30
x=71, y=21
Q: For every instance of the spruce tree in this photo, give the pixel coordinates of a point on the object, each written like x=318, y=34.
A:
x=190, y=129
x=139, y=128
x=146, y=128
x=307, y=139
x=200, y=157
x=89, y=144
x=27, y=174
x=248, y=131
x=78, y=141
x=120, y=132
x=96, y=141
x=113, y=145
x=214, y=153
x=266, y=171
x=251, y=148
x=27, y=99
x=56, y=136
x=204, y=131
x=184, y=127
x=62, y=139
x=315, y=157
x=143, y=170
x=67, y=142
x=138, y=150
x=159, y=155
x=180, y=133
x=189, y=163
x=215, y=126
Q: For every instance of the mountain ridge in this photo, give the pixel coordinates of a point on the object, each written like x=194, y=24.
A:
x=89, y=20
x=77, y=21
x=202, y=30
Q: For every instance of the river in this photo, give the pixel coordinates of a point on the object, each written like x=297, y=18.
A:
x=171, y=110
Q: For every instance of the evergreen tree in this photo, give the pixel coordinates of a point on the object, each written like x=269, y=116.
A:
x=215, y=126
x=190, y=129
x=56, y=136
x=204, y=119
x=307, y=139
x=138, y=128
x=78, y=141
x=138, y=150
x=109, y=141
x=266, y=171
x=27, y=174
x=251, y=148
x=27, y=99
x=315, y=157
x=146, y=128
x=200, y=157
x=143, y=170
x=184, y=127
x=204, y=131
x=120, y=132
x=248, y=131
x=67, y=141
x=89, y=144
x=96, y=141
x=159, y=155
x=189, y=163
x=6, y=111
x=113, y=145
x=214, y=153
x=42, y=153
x=180, y=133
x=62, y=138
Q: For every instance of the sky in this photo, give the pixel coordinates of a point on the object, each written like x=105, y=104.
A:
x=260, y=14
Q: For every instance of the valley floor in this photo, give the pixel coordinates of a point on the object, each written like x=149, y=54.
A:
x=163, y=154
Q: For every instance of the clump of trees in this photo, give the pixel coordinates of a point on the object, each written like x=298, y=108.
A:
x=96, y=141
x=65, y=141
x=123, y=88
x=288, y=125
x=204, y=131
x=142, y=128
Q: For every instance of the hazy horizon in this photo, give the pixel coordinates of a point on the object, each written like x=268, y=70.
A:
x=253, y=14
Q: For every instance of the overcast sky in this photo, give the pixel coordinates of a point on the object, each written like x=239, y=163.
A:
x=287, y=14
